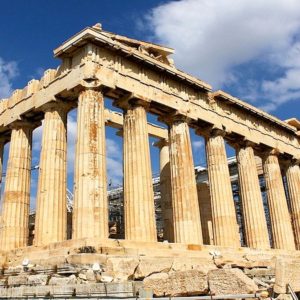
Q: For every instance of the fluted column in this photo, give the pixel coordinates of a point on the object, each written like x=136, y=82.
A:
x=282, y=232
x=256, y=231
x=51, y=212
x=225, y=226
x=293, y=181
x=16, y=202
x=2, y=144
x=205, y=212
x=186, y=214
x=139, y=208
x=165, y=189
x=90, y=213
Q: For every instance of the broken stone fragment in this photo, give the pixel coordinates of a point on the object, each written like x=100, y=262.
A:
x=287, y=272
x=55, y=280
x=90, y=275
x=182, y=283
x=148, y=266
x=122, y=268
x=230, y=281
x=39, y=279
x=17, y=280
x=106, y=278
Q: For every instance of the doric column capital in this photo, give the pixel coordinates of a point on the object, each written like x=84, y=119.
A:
x=289, y=162
x=131, y=100
x=57, y=105
x=267, y=152
x=175, y=117
x=25, y=124
x=211, y=132
x=242, y=144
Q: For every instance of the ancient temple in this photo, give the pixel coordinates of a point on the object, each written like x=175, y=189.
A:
x=141, y=78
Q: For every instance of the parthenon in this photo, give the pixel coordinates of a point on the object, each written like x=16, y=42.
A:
x=141, y=78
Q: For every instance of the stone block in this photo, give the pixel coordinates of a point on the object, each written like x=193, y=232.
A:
x=90, y=289
x=87, y=259
x=16, y=292
x=13, y=271
x=122, y=268
x=230, y=281
x=44, y=269
x=181, y=283
x=56, y=280
x=287, y=271
x=38, y=279
x=106, y=277
x=64, y=291
x=119, y=289
x=148, y=266
x=3, y=293
x=29, y=291
x=90, y=275
x=193, y=263
x=3, y=282
x=261, y=260
x=66, y=269
x=17, y=280
x=260, y=272
x=43, y=291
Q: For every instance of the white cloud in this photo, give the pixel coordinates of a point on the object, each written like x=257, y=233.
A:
x=197, y=145
x=8, y=71
x=212, y=38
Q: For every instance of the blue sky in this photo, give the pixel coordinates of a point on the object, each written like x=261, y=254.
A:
x=248, y=48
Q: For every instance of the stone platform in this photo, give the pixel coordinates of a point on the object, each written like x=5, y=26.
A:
x=118, y=268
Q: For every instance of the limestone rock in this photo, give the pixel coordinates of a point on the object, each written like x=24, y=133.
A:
x=84, y=290
x=183, y=283
x=122, y=267
x=82, y=276
x=86, y=259
x=230, y=281
x=148, y=266
x=106, y=278
x=287, y=271
x=90, y=275
x=119, y=290
x=17, y=280
x=55, y=280
x=39, y=279
x=284, y=297
x=193, y=263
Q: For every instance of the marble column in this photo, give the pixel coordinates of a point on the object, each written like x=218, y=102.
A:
x=293, y=181
x=139, y=207
x=2, y=144
x=186, y=214
x=255, y=225
x=225, y=227
x=90, y=213
x=165, y=189
x=282, y=232
x=51, y=212
x=15, y=216
x=205, y=212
